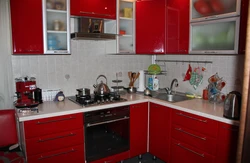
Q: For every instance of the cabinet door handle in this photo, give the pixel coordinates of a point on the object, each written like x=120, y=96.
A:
x=82, y=12
x=63, y=119
x=231, y=129
x=57, y=154
x=212, y=17
x=179, y=144
x=58, y=137
x=202, y=138
x=200, y=120
x=210, y=52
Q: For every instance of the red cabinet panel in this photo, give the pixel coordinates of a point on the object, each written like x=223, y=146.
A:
x=27, y=27
x=227, y=143
x=53, y=125
x=56, y=141
x=71, y=154
x=94, y=8
x=194, y=138
x=243, y=26
x=159, y=131
x=114, y=158
x=138, y=129
x=197, y=123
x=150, y=27
x=181, y=152
x=177, y=26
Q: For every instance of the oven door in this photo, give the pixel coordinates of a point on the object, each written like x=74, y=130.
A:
x=103, y=139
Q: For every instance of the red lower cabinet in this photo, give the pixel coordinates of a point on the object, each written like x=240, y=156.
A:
x=55, y=139
x=73, y=154
x=181, y=152
x=138, y=129
x=227, y=143
x=159, y=131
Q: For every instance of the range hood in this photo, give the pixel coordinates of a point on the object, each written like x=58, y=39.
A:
x=92, y=29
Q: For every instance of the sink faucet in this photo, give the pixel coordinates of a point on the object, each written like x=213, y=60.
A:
x=169, y=90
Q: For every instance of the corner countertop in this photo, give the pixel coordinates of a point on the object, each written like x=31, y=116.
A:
x=195, y=106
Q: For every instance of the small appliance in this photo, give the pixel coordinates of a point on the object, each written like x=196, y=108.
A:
x=25, y=87
x=232, y=105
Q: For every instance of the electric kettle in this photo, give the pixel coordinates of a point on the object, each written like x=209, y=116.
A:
x=232, y=105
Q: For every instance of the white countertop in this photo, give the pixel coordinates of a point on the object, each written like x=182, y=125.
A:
x=195, y=106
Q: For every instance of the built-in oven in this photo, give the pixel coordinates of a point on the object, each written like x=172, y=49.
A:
x=106, y=132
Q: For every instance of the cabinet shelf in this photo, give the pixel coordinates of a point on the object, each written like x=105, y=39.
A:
x=57, y=11
x=52, y=31
x=124, y=18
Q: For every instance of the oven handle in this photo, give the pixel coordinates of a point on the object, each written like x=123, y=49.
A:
x=115, y=120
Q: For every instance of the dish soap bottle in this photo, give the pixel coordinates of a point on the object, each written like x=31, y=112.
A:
x=156, y=84
x=150, y=83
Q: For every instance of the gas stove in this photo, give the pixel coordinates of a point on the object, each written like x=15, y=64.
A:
x=94, y=100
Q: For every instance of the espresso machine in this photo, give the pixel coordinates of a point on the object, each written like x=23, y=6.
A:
x=25, y=87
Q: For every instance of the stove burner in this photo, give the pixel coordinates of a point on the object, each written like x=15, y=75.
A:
x=93, y=100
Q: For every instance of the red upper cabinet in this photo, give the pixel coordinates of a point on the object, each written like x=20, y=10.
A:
x=243, y=26
x=94, y=8
x=227, y=143
x=138, y=129
x=159, y=131
x=177, y=26
x=27, y=27
x=150, y=27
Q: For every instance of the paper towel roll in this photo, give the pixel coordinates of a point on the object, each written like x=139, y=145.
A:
x=141, y=81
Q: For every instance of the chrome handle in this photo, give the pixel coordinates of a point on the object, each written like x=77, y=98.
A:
x=82, y=12
x=210, y=52
x=63, y=119
x=100, y=123
x=231, y=129
x=212, y=17
x=180, y=114
x=57, y=154
x=58, y=137
x=179, y=144
x=202, y=138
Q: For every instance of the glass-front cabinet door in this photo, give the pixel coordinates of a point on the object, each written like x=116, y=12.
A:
x=56, y=30
x=213, y=9
x=215, y=37
x=126, y=26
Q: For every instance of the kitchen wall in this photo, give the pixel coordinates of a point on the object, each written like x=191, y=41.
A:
x=88, y=60
x=229, y=67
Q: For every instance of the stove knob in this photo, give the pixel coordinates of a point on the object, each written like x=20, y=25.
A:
x=98, y=101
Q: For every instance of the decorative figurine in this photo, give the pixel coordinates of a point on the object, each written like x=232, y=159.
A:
x=59, y=96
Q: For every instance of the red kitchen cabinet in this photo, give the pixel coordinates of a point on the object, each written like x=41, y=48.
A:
x=55, y=139
x=71, y=154
x=138, y=129
x=27, y=27
x=159, y=131
x=181, y=152
x=94, y=8
x=150, y=27
x=243, y=26
x=227, y=143
x=177, y=26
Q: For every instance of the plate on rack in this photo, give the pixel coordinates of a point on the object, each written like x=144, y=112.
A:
x=154, y=69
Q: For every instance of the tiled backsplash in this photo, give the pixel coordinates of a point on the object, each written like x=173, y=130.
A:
x=80, y=69
x=228, y=67
x=89, y=59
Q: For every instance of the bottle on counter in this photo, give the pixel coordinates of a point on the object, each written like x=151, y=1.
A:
x=156, y=84
x=150, y=83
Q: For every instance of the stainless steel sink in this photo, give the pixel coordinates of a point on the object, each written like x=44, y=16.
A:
x=171, y=97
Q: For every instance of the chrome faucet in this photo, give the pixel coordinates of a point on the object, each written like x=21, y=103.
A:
x=169, y=90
